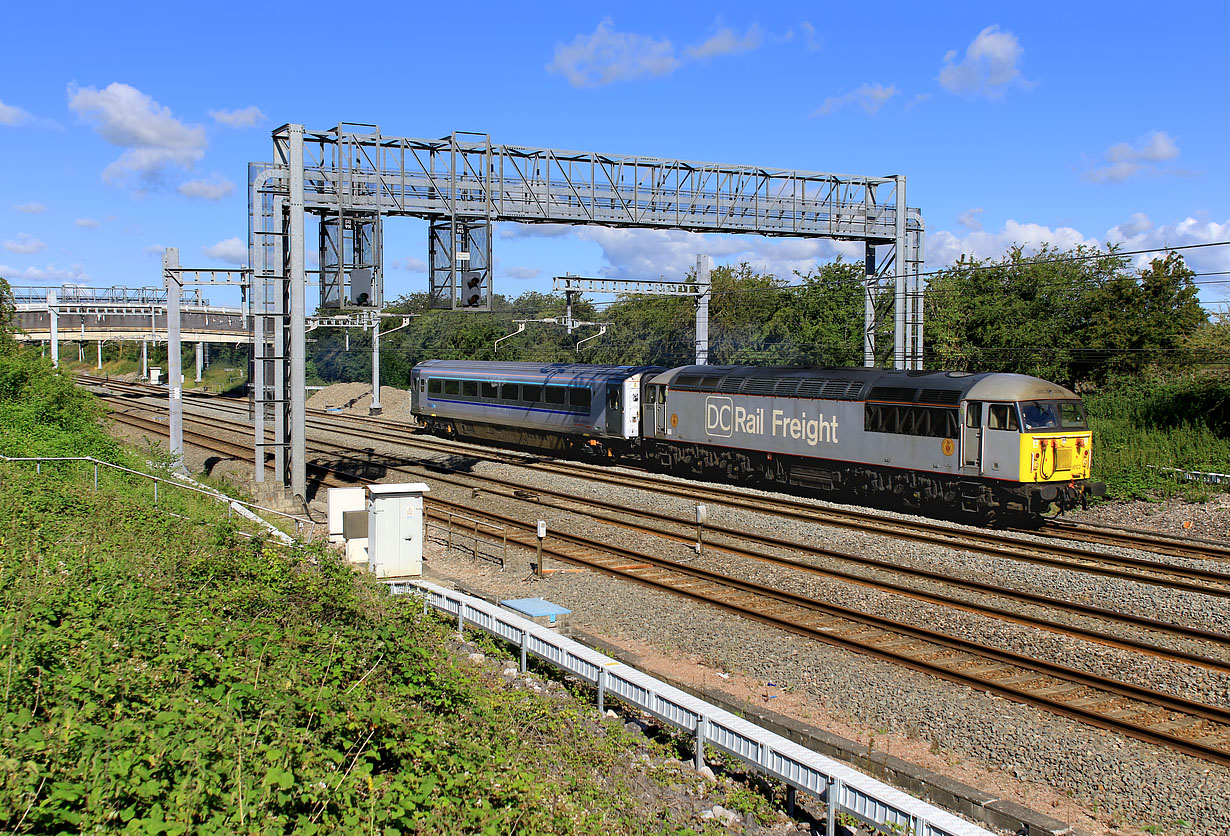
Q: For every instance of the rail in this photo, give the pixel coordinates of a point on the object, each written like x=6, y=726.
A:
x=847, y=793
x=301, y=523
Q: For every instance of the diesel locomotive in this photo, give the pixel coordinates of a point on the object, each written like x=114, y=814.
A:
x=982, y=443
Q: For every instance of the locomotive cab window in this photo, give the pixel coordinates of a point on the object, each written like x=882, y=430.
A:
x=973, y=415
x=1002, y=417
x=1053, y=415
x=651, y=394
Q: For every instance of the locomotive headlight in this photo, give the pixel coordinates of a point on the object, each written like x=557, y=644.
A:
x=1036, y=443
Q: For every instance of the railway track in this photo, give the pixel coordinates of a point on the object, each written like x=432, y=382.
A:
x=1183, y=725
x=1055, y=553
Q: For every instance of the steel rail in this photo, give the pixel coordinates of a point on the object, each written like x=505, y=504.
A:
x=826, y=635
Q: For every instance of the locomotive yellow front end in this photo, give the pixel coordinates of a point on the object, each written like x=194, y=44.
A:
x=1056, y=446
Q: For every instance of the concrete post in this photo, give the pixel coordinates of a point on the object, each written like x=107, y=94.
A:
x=175, y=371
x=297, y=316
x=200, y=358
x=702, y=310
x=374, y=409
x=145, y=359
x=53, y=313
x=100, y=342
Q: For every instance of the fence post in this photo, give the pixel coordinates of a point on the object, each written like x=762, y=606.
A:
x=525, y=650
x=830, y=805
x=96, y=475
x=702, y=728
x=155, y=492
x=602, y=691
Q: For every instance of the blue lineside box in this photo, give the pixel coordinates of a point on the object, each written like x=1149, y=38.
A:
x=539, y=611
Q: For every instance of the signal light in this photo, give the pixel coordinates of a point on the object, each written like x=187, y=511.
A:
x=472, y=294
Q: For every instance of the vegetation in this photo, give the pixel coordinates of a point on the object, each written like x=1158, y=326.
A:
x=165, y=672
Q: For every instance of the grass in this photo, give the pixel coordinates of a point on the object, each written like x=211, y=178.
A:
x=1141, y=427
x=162, y=673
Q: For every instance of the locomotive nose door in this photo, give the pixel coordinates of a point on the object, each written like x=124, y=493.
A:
x=971, y=436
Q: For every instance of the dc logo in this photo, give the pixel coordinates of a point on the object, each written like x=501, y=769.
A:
x=719, y=416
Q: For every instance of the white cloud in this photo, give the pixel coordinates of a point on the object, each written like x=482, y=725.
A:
x=247, y=117
x=1140, y=233
x=651, y=254
x=516, y=230
x=1123, y=160
x=214, y=188
x=232, y=251
x=25, y=244
x=944, y=247
x=50, y=273
x=1136, y=225
x=30, y=208
x=810, y=39
x=410, y=265
x=155, y=249
x=521, y=272
x=725, y=42
x=88, y=223
x=870, y=97
x=13, y=115
x=991, y=65
x=969, y=219
x=128, y=118
x=608, y=56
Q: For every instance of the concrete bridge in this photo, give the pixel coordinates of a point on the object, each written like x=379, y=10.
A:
x=100, y=315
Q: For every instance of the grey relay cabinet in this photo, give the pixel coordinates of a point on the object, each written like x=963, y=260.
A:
x=395, y=529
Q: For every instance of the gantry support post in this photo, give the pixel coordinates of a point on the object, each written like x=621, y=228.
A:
x=200, y=360
x=297, y=324
x=901, y=283
x=870, y=286
x=175, y=372
x=100, y=342
x=53, y=313
x=144, y=359
x=702, y=310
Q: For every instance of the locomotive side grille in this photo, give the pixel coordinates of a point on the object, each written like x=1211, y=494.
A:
x=835, y=389
x=731, y=385
x=939, y=396
x=811, y=387
x=900, y=394
x=759, y=386
x=786, y=387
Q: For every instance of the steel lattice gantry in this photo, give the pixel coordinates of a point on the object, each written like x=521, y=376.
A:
x=353, y=178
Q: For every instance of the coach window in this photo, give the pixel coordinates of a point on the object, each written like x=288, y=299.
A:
x=469, y=388
x=612, y=396
x=490, y=391
x=531, y=394
x=579, y=398
x=435, y=386
x=555, y=395
x=1002, y=417
x=452, y=387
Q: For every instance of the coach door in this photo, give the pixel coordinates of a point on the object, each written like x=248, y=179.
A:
x=971, y=436
x=614, y=408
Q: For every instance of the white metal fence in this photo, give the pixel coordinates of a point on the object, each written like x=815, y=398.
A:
x=846, y=791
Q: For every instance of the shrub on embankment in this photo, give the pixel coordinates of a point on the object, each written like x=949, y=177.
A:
x=163, y=674
x=1144, y=425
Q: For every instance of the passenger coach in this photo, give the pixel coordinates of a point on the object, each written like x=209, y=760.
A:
x=554, y=406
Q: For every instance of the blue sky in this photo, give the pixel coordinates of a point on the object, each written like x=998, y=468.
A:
x=127, y=127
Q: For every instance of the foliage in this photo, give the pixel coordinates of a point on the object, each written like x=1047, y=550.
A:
x=1074, y=316
x=6, y=311
x=43, y=414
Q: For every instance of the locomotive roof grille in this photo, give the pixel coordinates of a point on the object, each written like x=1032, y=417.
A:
x=949, y=397
x=897, y=394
